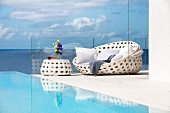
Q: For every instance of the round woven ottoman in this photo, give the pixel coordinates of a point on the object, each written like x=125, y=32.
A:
x=56, y=67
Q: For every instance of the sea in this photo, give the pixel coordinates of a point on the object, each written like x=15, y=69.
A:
x=22, y=60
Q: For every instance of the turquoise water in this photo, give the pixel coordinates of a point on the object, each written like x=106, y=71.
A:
x=22, y=93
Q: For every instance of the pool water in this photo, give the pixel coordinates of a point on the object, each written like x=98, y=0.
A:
x=23, y=93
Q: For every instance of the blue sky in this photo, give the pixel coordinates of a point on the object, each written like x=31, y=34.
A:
x=47, y=20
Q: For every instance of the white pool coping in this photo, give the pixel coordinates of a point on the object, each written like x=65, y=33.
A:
x=135, y=88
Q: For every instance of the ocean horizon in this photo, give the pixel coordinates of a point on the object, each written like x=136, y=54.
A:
x=21, y=59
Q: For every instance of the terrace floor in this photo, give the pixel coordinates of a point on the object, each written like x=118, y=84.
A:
x=135, y=88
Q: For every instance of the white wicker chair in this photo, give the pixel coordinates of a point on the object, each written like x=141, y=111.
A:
x=128, y=65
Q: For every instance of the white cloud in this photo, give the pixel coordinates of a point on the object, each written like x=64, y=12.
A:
x=106, y=34
x=37, y=15
x=10, y=35
x=88, y=4
x=6, y=32
x=110, y=34
x=41, y=10
x=3, y=31
x=82, y=22
x=27, y=15
x=54, y=3
x=54, y=26
x=81, y=26
x=65, y=4
x=101, y=19
x=28, y=35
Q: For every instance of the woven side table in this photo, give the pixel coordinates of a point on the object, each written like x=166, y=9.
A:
x=56, y=67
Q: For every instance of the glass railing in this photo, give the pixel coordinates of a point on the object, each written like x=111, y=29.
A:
x=143, y=42
x=30, y=60
x=42, y=49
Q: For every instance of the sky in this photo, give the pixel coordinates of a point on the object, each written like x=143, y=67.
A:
x=26, y=24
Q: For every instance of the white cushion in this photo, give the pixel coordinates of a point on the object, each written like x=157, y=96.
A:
x=126, y=51
x=85, y=55
x=87, y=64
x=104, y=55
x=88, y=50
x=117, y=57
x=80, y=49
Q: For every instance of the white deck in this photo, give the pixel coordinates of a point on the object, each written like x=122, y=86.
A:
x=135, y=88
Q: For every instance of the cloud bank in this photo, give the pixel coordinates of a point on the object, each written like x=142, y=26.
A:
x=6, y=32
x=42, y=10
x=82, y=22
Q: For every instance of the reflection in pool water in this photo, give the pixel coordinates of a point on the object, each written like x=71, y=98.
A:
x=52, y=86
x=22, y=93
x=56, y=88
x=81, y=95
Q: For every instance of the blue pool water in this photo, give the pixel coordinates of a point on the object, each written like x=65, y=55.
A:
x=22, y=93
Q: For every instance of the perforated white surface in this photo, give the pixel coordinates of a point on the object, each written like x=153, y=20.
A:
x=130, y=64
x=56, y=67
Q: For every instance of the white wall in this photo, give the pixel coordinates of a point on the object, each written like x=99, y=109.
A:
x=159, y=40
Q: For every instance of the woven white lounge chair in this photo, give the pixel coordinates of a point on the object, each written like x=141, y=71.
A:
x=130, y=64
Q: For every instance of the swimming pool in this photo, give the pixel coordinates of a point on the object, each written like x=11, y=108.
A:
x=22, y=93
